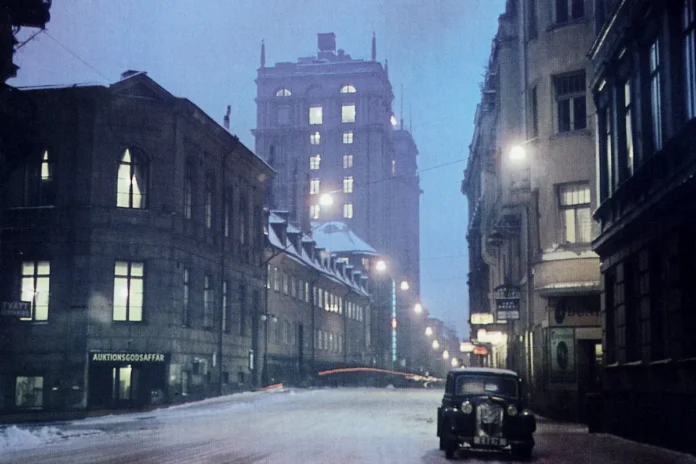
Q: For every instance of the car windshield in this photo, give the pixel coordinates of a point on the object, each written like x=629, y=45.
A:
x=482, y=385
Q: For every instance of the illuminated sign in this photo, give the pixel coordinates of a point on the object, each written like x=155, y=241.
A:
x=481, y=318
x=466, y=347
x=393, y=323
x=481, y=350
x=507, y=308
x=99, y=356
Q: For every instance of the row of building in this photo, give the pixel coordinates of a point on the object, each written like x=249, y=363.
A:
x=151, y=257
x=578, y=181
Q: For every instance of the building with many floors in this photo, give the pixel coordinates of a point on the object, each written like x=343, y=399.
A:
x=531, y=185
x=644, y=89
x=326, y=124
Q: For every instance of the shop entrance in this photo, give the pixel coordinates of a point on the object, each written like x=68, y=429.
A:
x=125, y=384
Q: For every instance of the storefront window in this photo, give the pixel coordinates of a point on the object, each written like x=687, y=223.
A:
x=29, y=392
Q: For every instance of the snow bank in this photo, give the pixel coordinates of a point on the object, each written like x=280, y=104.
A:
x=13, y=437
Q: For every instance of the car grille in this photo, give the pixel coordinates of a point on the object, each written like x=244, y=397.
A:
x=489, y=420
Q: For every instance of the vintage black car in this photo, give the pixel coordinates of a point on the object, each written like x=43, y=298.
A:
x=483, y=409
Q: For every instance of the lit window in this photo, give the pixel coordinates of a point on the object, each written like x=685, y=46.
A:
x=628, y=125
x=393, y=168
x=286, y=283
x=36, y=276
x=348, y=184
x=347, y=161
x=187, y=292
x=570, y=101
x=46, y=167
x=314, y=162
x=276, y=279
x=29, y=392
x=315, y=115
x=314, y=187
x=283, y=93
x=567, y=10
x=39, y=181
x=128, y=291
x=208, y=301
x=132, y=180
x=655, y=95
x=188, y=192
x=348, y=113
x=574, y=201
x=348, y=210
x=348, y=89
x=348, y=137
x=315, y=138
x=393, y=121
x=283, y=115
x=314, y=211
x=690, y=56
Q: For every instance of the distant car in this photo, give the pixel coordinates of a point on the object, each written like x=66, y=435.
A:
x=483, y=409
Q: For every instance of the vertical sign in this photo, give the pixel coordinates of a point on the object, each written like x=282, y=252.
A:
x=562, y=352
x=393, y=312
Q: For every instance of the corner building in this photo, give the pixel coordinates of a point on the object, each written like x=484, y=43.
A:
x=135, y=234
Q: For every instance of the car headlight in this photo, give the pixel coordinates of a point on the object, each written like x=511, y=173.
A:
x=467, y=408
x=512, y=410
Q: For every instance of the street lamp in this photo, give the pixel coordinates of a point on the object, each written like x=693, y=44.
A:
x=455, y=362
x=418, y=308
x=445, y=354
x=518, y=153
x=326, y=199
x=381, y=266
x=436, y=344
x=428, y=331
x=404, y=285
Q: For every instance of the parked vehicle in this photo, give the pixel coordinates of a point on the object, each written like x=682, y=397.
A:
x=483, y=409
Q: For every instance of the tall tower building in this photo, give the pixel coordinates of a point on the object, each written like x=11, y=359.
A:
x=326, y=125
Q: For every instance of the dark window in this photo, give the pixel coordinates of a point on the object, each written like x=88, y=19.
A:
x=656, y=95
x=567, y=10
x=208, y=301
x=609, y=317
x=627, y=140
x=242, y=309
x=187, y=297
x=224, y=311
x=39, y=181
x=570, y=101
x=689, y=24
x=188, y=191
x=531, y=19
x=533, y=114
x=481, y=385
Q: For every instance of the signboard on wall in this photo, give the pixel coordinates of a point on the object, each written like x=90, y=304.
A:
x=15, y=309
x=562, y=353
x=507, y=309
x=581, y=311
x=481, y=318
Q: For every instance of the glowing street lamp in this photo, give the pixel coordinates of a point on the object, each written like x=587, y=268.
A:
x=428, y=331
x=436, y=344
x=518, y=153
x=418, y=308
x=380, y=266
x=326, y=199
x=445, y=354
x=455, y=362
x=404, y=285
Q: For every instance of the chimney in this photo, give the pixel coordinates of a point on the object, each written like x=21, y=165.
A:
x=374, y=47
x=129, y=73
x=263, y=54
x=226, y=120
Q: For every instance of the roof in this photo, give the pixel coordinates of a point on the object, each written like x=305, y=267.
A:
x=337, y=237
x=483, y=370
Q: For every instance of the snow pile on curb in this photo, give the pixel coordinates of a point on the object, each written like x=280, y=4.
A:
x=13, y=437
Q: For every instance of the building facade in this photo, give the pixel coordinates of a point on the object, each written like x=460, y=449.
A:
x=530, y=180
x=135, y=235
x=319, y=307
x=644, y=87
x=326, y=125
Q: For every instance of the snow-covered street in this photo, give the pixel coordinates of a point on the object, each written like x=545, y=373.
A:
x=295, y=426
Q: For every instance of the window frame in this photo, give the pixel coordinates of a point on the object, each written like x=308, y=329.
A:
x=208, y=321
x=348, y=113
x=40, y=402
x=136, y=161
x=347, y=161
x=689, y=56
x=569, y=10
x=37, y=279
x=315, y=138
x=348, y=210
x=582, y=190
x=315, y=162
x=348, y=184
x=129, y=277
x=315, y=115
x=348, y=137
x=572, y=98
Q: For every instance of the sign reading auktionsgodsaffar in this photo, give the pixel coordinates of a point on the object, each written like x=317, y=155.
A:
x=105, y=356
x=562, y=351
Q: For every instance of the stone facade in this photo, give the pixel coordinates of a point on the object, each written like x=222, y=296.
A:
x=117, y=231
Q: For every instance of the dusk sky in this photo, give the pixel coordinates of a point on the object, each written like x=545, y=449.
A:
x=208, y=51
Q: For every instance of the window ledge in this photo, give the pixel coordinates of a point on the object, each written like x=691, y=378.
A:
x=572, y=133
x=686, y=361
x=633, y=364
x=20, y=208
x=661, y=362
x=570, y=22
x=612, y=366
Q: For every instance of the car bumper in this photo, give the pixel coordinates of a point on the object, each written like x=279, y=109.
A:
x=493, y=444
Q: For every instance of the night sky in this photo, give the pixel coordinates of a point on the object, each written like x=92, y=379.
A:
x=208, y=51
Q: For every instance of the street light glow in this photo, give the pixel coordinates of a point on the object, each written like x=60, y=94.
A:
x=326, y=200
x=517, y=153
x=445, y=354
x=418, y=308
x=380, y=266
x=428, y=331
x=404, y=285
x=436, y=344
x=455, y=362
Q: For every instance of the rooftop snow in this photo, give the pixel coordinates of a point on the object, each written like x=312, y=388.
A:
x=337, y=237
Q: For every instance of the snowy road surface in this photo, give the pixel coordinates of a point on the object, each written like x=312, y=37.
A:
x=315, y=426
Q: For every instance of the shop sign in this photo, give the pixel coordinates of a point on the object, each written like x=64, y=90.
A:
x=466, y=347
x=102, y=356
x=507, y=309
x=562, y=350
x=575, y=312
x=481, y=318
x=481, y=350
x=15, y=309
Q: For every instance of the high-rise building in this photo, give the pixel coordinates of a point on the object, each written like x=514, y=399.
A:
x=326, y=125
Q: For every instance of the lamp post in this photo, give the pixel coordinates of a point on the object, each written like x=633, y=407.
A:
x=381, y=266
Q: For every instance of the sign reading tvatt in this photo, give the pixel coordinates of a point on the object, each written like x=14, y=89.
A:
x=101, y=356
x=15, y=309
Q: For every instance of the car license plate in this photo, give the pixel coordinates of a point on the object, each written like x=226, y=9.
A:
x=490, y=441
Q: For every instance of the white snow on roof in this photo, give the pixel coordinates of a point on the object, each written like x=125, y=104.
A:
x=484, y=370
x=557, y=255
x=337, y=237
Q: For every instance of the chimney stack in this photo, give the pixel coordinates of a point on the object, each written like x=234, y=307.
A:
x=226, y=120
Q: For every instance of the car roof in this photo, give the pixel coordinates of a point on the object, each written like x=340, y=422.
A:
x=483, y=370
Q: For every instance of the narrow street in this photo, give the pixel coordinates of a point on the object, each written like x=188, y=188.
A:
x=297, y=426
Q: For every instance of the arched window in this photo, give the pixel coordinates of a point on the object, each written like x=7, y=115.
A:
x=283, y=93
x=348, y=89
x=132, y=181
x=39, y=187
